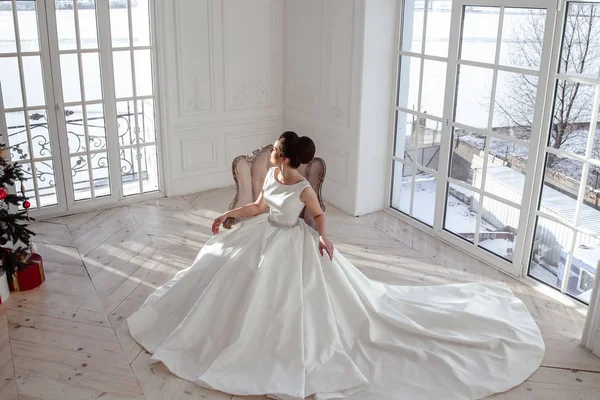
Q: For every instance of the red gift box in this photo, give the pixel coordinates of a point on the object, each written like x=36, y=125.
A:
x=31, y=277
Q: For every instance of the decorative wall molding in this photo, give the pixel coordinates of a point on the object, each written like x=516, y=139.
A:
x=335, y=110
x=251, y=93
x=304, y=44
x=340, y=53
x=196, y=102
x=193, y=57
x=238, y=143
x=198, y=153
x=222, y=75
x=247, y=35
x=302, y=96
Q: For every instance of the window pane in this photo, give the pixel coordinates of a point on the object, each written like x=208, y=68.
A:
x=473, y=96
x=81, y=177
x=434, y=87
x=69, y=70
x=412, y=25
x=129, y=171
x=46, y=183
x=96, y=127
x=522, y=37
x=479, y=34
x=551, y=245
x=123, y=80
x=143, y=73
x=8, y=43
x=562, y=179
x=87, y=25
x=126, y=123
x=101, y=175
x=467, y=157
x=141, y=23
x=149, y=168
x=91, y=76
x=418, y=140
x=461, y=212
x=75, y=129
x=17, y=136
x=584, y=267
x=498, y=230
x=408, y=85
x=572, y=116
x=28, y=184
x=119, y=23
x=28, y=31
x=425, y=141
x=40, y=135
x=579, y=47
x=65, y=24
x=515, y=104
x=438, y=28
x=402, y=187
x=147, y=122
x=34, y=84
x=590, y=210
x=424, y=202
x=506, y=168
x=10, y=79
x=596, y=144
x=404, y=130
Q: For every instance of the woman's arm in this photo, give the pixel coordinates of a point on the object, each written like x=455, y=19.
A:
x=310, y=200
x=249, y=210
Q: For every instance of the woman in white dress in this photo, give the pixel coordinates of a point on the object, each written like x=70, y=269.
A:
x=263, y=310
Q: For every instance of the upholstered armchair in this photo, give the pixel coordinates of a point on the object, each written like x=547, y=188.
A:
x=249, y=172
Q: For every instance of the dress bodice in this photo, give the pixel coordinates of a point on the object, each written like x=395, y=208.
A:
x=284, y=201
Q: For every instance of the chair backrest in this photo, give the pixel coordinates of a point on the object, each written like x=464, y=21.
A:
x=249, y=172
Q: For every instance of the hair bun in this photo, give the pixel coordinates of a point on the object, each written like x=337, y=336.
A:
x=305, y=149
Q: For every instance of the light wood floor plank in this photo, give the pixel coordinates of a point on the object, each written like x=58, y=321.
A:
x=101, y=363
x=52, y=233
x=68, y=327
x=56, y=299
x=42, y=388
x=10, y=391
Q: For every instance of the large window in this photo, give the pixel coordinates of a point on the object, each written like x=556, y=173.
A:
x=566, y=240
x=495, y=133
x=423, y=59
x=78, y=100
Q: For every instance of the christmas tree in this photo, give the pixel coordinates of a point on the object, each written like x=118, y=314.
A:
x=15, y=237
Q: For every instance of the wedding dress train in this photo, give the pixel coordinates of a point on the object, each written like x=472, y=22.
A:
x=261, y=312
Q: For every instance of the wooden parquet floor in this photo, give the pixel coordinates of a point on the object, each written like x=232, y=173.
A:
x=68, y=339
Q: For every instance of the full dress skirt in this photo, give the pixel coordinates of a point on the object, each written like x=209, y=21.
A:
x=260, y=311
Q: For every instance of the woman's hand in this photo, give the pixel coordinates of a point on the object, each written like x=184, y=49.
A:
x=218, y=221
x=325, y=244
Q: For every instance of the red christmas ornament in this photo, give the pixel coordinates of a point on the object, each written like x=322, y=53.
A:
x=26, y=204
x=3, y=194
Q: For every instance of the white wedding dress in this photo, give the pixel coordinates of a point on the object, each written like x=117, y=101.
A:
x=261, y=312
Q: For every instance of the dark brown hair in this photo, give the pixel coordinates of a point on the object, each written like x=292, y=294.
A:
x=300, y=150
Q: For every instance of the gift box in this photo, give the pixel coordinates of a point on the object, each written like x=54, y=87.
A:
x=4, y=290
x=31, y=276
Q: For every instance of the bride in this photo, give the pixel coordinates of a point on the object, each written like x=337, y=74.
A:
x=271, y=308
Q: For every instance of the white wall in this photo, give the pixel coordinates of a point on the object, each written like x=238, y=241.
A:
x=338, y=74
x=322, y=83
x=235, y=73
x=378, y=80
x=221, y=88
